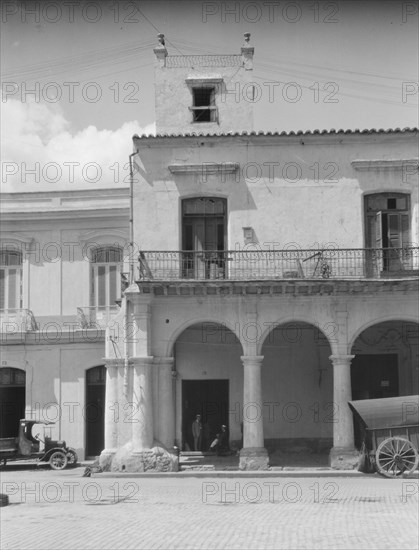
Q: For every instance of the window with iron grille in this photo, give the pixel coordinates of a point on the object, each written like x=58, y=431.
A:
x=10, y=279
x=106, y=276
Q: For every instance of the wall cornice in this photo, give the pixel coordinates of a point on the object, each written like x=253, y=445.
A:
x=384, y=164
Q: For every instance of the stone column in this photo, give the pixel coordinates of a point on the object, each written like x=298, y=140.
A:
x=343, y=455
x=142, y=404
x=166, y=406
x=112, y=412
x=253, y=456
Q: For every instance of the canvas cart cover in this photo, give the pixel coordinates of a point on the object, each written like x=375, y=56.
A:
x=390, y=412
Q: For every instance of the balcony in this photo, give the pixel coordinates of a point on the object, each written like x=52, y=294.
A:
x=96, y=317
x=14, y=321
x=272, y=265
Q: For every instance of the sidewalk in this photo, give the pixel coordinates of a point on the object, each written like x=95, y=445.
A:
x=60, y=510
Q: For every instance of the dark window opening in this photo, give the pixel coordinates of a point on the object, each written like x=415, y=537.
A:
x=204, y=109
x=391, y=204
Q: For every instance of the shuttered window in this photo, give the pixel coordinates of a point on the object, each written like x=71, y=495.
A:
x=106, y=276
x=10, y=280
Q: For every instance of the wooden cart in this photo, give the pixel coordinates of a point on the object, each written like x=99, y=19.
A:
x=390, y=430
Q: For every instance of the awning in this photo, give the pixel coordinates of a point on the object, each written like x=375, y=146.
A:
x=390, y=412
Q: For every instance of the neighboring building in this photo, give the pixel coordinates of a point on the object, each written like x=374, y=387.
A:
x=277, y=279
x=61, y=255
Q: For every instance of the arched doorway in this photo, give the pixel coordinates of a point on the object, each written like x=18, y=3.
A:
x=385, y=362
x=12, y=399
x=297, y=389
x=210, y=383
x=95, y=410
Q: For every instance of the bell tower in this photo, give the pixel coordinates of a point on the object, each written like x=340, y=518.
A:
x=208, y=94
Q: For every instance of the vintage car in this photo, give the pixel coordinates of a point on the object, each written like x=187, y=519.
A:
x=29, y=447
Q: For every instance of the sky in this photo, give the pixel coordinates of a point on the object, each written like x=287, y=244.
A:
x=77, y=76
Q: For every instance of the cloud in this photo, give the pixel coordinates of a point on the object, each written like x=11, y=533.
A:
x=39, y=152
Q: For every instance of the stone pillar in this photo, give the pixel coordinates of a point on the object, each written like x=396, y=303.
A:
x=253, y=456
x=343, y=455
x=142, y=404
x=166, y=406
x=112, y=412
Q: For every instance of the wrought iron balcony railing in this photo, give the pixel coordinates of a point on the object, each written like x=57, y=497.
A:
x=358, y=263
x=96, y=317
x=17, y=320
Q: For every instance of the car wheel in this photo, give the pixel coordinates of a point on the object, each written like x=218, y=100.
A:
x=58, y=460
x=72, y=457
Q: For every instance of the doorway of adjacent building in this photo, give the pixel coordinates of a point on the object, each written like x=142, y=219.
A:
x=209, y=398
x=204, y=237
x=12, y=400
x=95, y=410
x=373, y=377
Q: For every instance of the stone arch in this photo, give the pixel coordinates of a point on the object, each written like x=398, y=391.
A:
x=297, y=380
x=384, y=358
x=209, y=379
x=189, y=323
x=331, y=338
x=376, y=321
x=92, y=365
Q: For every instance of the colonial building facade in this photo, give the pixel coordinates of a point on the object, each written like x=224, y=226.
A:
x=277, y=277
x=271, y=278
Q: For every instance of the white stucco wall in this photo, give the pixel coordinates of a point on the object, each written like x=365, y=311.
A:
x=293, y=201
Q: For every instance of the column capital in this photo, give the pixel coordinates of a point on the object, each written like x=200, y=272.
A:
x=113, y=362
x=253, y=360
x=143, y=361
x=163, y=361
x=344, y=360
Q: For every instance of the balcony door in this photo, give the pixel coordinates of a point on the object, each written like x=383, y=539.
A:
x=204, y=237
x=388, y=232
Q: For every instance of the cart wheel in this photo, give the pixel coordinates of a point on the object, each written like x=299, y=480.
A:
x=396, y=456
x=72, y=457
x=58, y=460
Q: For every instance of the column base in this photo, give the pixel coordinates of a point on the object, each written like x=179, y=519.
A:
x=155, y=459
x=254, y=458
x=343, y=458
x=105, y=459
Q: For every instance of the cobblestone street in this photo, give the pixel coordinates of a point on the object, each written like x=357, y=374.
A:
x=62, y=510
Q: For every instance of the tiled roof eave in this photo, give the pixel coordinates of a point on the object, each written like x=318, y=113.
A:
x=332, y=131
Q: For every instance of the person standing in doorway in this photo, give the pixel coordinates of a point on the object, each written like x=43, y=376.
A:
x=197, y=432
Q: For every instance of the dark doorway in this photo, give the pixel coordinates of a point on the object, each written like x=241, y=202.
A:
x=373, y=377
x=95, y=410
x=12, y=400
x=209, y=398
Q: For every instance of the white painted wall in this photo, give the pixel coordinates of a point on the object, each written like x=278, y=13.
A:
x=310, y=212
